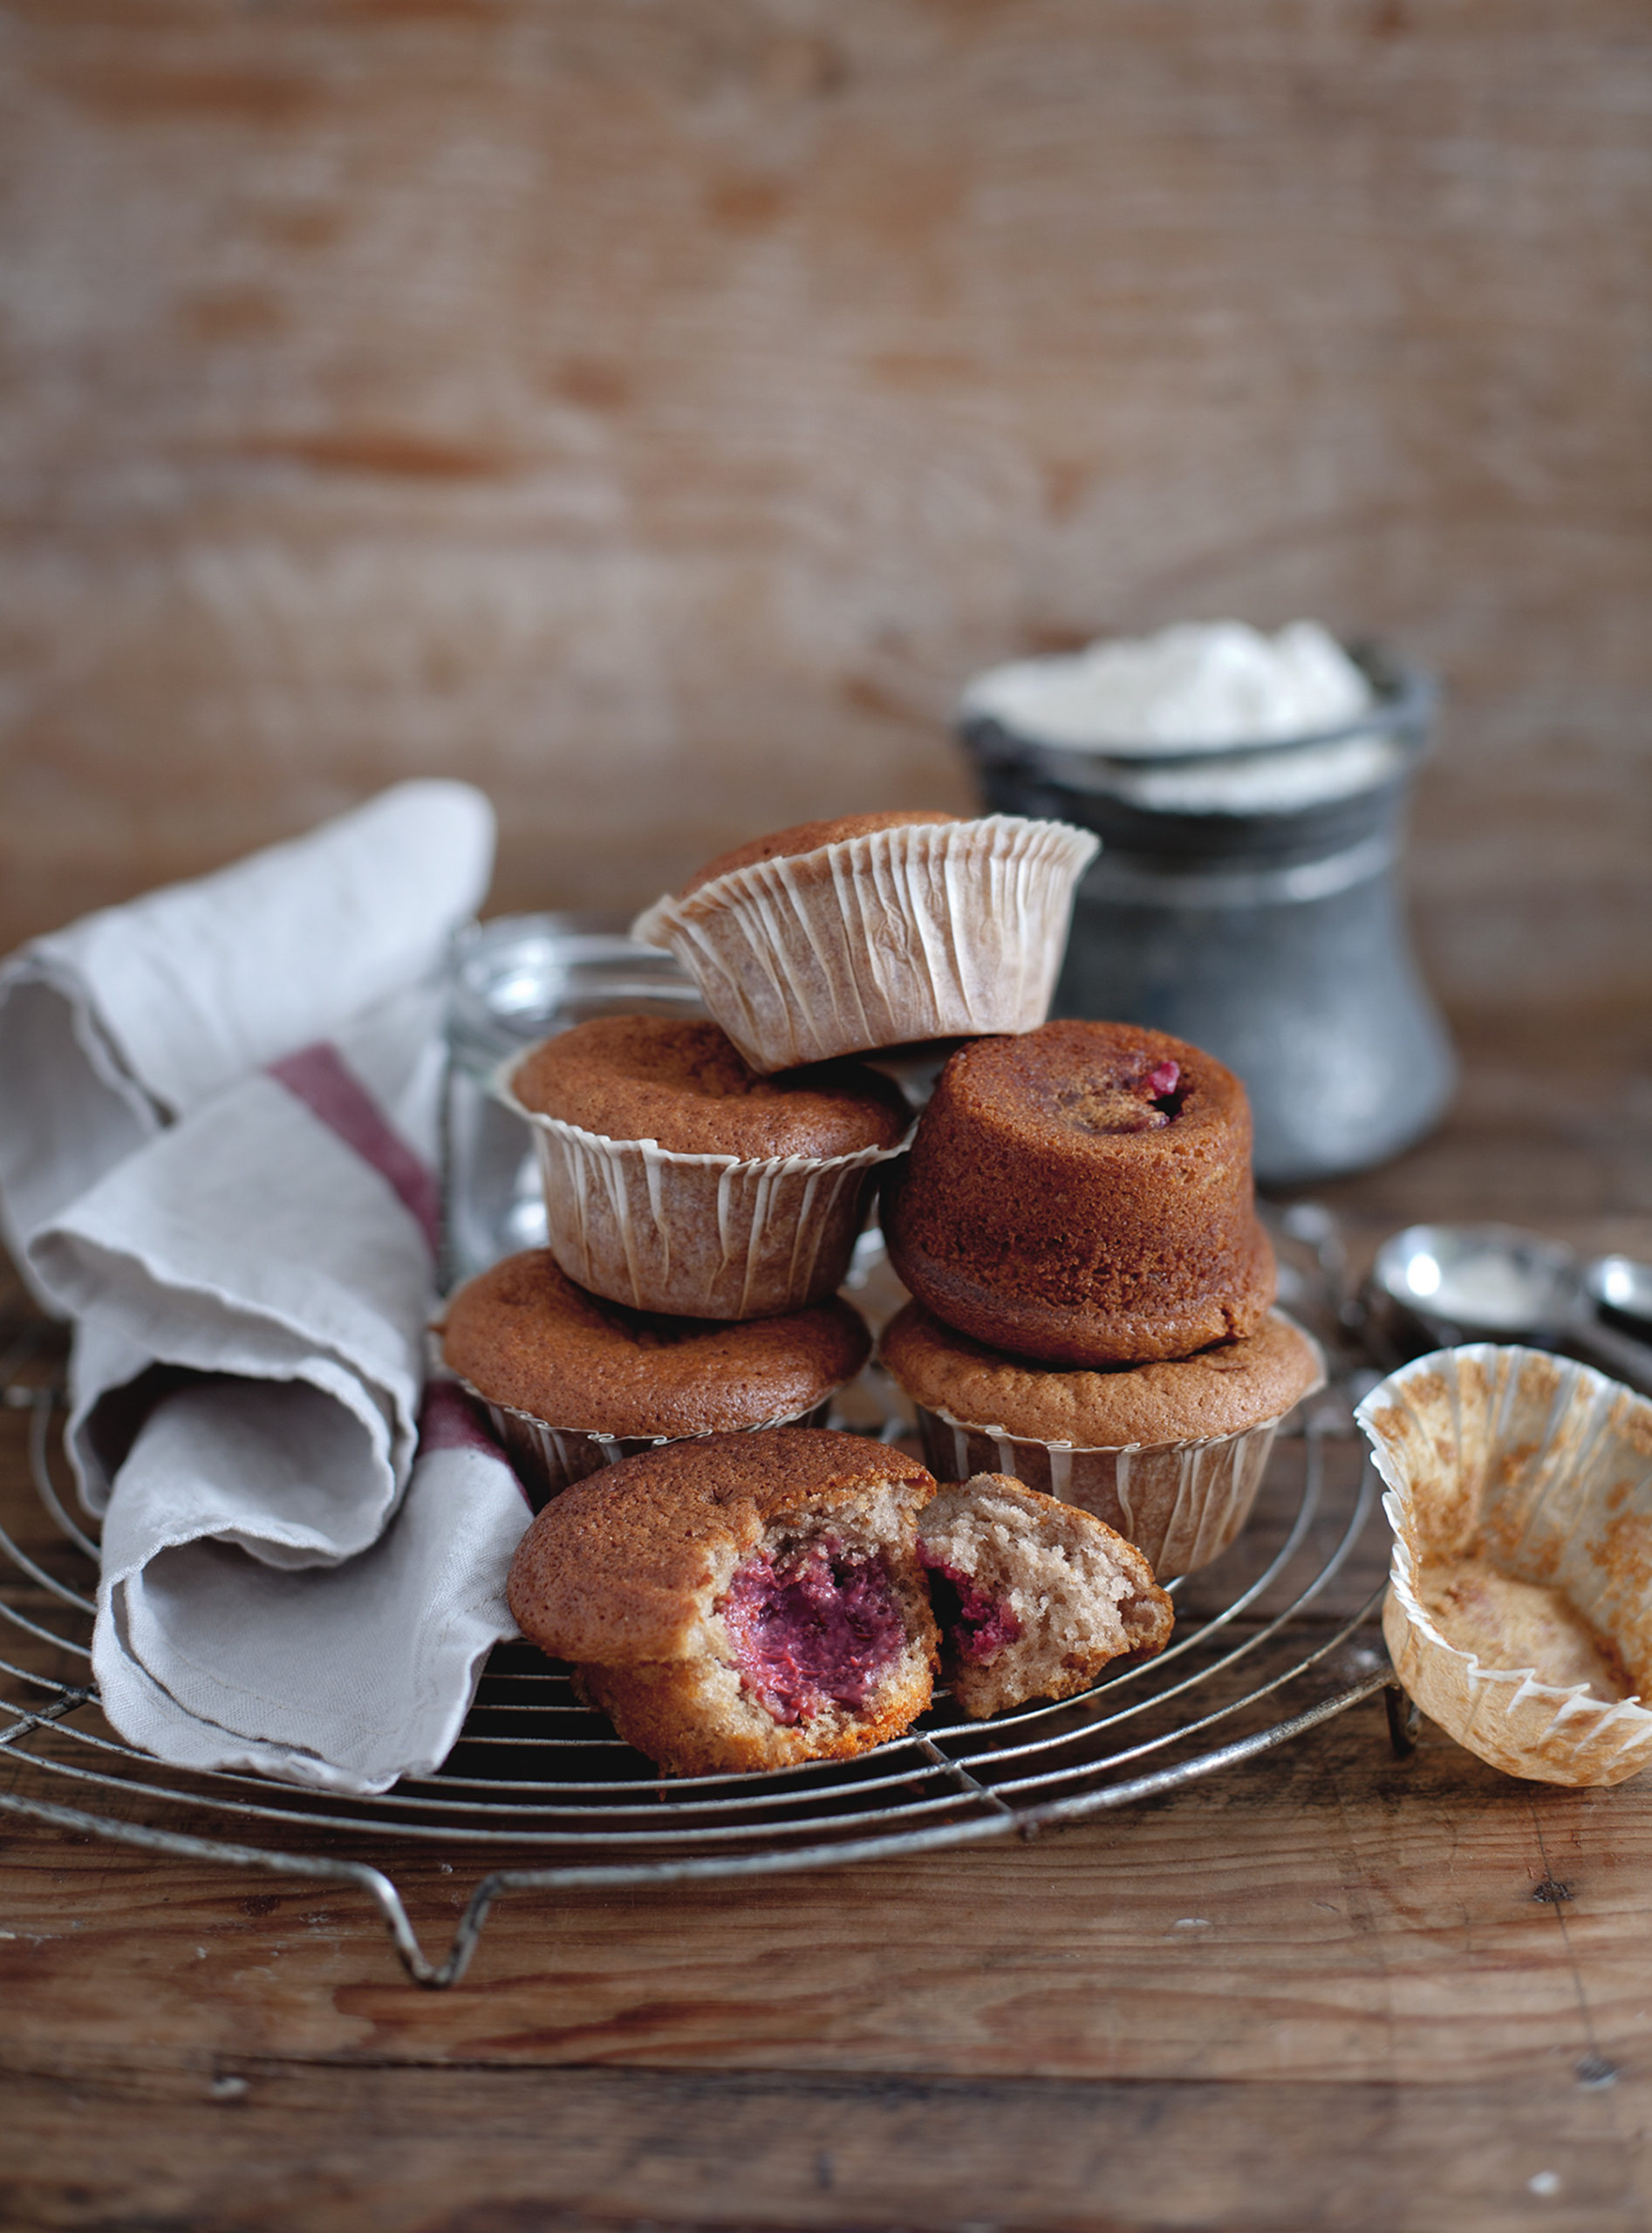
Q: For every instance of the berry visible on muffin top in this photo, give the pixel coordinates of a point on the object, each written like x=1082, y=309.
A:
x=1081, y=1193
x=809, y=837
x=685, y=1086
x=1126, y=1092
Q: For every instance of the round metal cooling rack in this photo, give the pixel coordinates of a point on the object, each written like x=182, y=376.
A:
x=1271, y=1641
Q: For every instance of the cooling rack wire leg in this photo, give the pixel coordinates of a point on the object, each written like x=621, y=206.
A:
x=372, y=1881
x=1404, y=1719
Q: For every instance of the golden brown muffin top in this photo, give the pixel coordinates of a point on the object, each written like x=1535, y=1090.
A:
x=1073, y=1083
x=524, y=1335
x=1082, y=1194
x=809, y=837
x=619, y=1568
x=1222, y=1390
x=686, y=1086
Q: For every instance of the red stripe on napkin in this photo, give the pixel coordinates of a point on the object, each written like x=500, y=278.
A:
x=449, y=1420
x=318, y=1076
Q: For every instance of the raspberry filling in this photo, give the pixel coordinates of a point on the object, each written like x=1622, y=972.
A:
x=822, y=1630
x=975, y=1624
x=1124, y=1096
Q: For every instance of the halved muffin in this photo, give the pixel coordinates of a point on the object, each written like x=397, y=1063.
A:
x=745, y=1602
x=1033, y=1597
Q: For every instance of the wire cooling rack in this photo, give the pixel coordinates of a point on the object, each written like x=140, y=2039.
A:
x=540, y=1794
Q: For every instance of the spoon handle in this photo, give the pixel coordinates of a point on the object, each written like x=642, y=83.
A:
x=1621, y=1355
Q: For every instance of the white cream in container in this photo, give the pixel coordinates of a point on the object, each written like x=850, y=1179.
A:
x=1180, y=717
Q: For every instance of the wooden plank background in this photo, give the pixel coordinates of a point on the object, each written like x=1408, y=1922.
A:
x=655, y=412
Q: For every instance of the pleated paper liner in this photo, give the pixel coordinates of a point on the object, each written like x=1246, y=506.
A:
x=1181, y=1504
x=1538, y=1470
x=548, y=1459
x=698, y=1236
x=933, y=931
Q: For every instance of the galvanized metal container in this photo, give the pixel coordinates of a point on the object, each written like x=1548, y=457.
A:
x=1273, y=938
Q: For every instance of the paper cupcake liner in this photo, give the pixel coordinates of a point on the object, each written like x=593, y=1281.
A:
x=698, y=1236
x=549, y=1459
x=1180, y=1503
x=1544, y=1467
x=930, y=930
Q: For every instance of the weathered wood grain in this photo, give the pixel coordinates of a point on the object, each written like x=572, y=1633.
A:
x=658, y=413
x=239, y=2145
x=1324, y=1916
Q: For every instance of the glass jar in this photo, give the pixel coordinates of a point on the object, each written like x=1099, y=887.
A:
x=510, y=983
x=1246, y=901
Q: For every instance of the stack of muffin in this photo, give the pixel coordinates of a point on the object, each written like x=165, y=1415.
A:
x=1073, y=1217
x=1093, y=1286
x=705, y=1183
x=701, y=1217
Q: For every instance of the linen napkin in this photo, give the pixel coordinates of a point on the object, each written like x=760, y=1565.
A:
x=218, y=1128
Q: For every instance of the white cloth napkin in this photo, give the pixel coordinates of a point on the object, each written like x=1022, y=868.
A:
x=218, y=1132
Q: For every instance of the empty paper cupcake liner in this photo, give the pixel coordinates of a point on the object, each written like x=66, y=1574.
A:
x=930, y=930
x=548, y=1459
x=1540, y=1469
x=1181, y=1504
x=698, y=1236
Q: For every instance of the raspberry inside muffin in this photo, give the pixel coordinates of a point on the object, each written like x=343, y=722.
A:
x=1033, y=1597
x=975, y=1624
x=745, y=1602
x=818, y=1628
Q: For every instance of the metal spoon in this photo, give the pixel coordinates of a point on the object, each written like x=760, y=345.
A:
x=1622, y=1287
x=1493, y=1282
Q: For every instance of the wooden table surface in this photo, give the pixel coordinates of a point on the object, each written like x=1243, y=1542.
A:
x=1328, y=1989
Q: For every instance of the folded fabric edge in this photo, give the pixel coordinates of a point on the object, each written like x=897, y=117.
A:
x=51, y=1048
x=474, y=1485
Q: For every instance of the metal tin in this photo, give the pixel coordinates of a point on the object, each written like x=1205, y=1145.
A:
x=1273, y=938
x=510, y=983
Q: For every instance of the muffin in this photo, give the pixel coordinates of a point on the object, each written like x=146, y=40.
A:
x=574, y=1383
x=677, y=1178
x=1033, y=1597
x=1082, y=1195
x=1170, y=1453
x=750, y=1602
x=839, y=937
